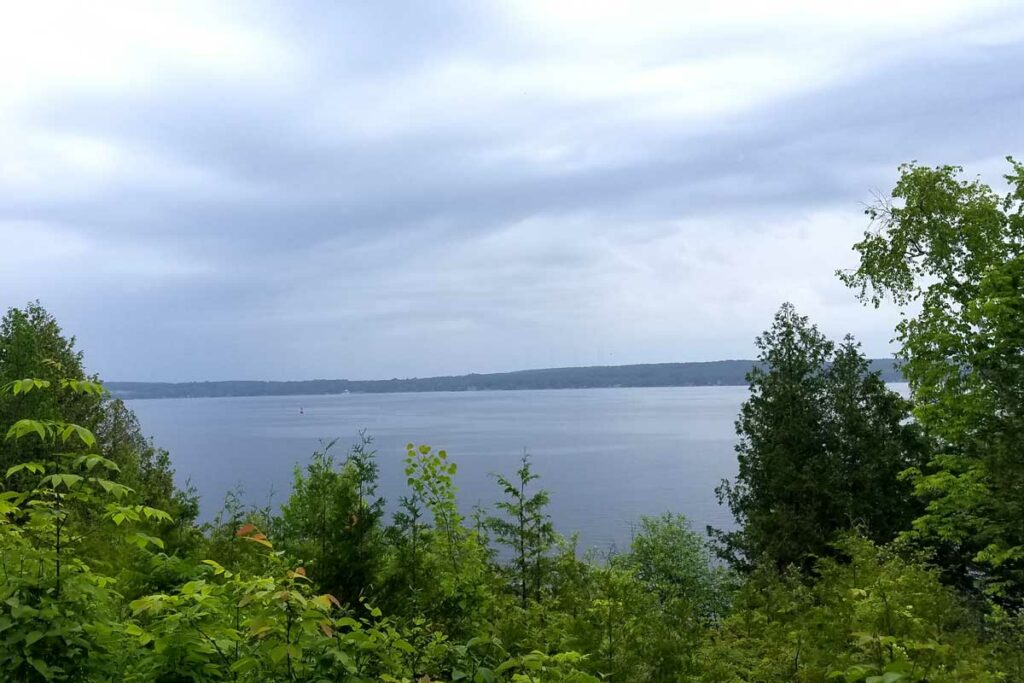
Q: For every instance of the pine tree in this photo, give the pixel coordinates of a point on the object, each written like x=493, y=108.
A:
x=822, y=442
x=526, y=529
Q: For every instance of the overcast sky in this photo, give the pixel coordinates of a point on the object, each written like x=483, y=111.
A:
x=368, y=189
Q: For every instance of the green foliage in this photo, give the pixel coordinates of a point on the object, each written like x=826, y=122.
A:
x=627, y=631
x=821, y=444
x=33, y=348
x=673, y=563
x=660, y=612
x=438, y=571
x=61, y=619
x=225, y=545
x=409, y=538
x=640, y=616
x=332, y=520
x=56, y=609
x=869, y=616
x=950, y=253
x=430, y=477
x=526, y=529
x=266, y=627
x=35, y=354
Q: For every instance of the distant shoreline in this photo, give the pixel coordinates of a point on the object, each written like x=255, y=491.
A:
x=128, y=397
x=696, y=374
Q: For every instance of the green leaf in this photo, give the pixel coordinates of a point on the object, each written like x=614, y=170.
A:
x=83, y=434
x=23, y=386
x=84, y=387
x=44, y=670
x=34, y=467
x=70, y=480
x=118, y=490
x=278, y=654
x=23, y=427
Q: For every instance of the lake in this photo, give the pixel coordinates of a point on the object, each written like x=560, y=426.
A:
x=607, y=456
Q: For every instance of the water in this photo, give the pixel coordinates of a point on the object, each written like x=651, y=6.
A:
x=607, y=456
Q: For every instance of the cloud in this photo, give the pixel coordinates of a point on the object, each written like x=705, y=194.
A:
x=245, y=190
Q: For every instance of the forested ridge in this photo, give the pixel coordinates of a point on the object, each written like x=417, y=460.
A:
x=710, y=373
x=878, y=538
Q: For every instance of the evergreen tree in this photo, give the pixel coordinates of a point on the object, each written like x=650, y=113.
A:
x=408, y=537
x=822, y=442
x=872, y=441
x=526, y=529
x=332, y=520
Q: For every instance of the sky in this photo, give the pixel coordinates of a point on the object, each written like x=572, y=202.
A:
x=371, y=189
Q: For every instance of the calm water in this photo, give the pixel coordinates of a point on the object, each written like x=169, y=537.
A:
x=606, y=455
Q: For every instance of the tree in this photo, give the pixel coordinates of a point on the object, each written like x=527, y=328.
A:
x=872, y=441
x=673, y=562
x=950, y=253
x=332, y=519
x=445, y=566
x=822, y=442
x=526, y=529
x=683, y=593
x=408, y=537
x=32, y=344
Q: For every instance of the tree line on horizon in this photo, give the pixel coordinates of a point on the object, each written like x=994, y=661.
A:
x=878, y=538
x=705, y=373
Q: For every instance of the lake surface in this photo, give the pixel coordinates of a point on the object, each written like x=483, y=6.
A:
x=607, y=456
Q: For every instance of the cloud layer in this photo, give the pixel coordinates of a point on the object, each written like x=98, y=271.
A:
x=372, y=190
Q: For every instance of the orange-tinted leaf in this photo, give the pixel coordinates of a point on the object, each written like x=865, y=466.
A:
x=259, y=538
x=245, y=530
